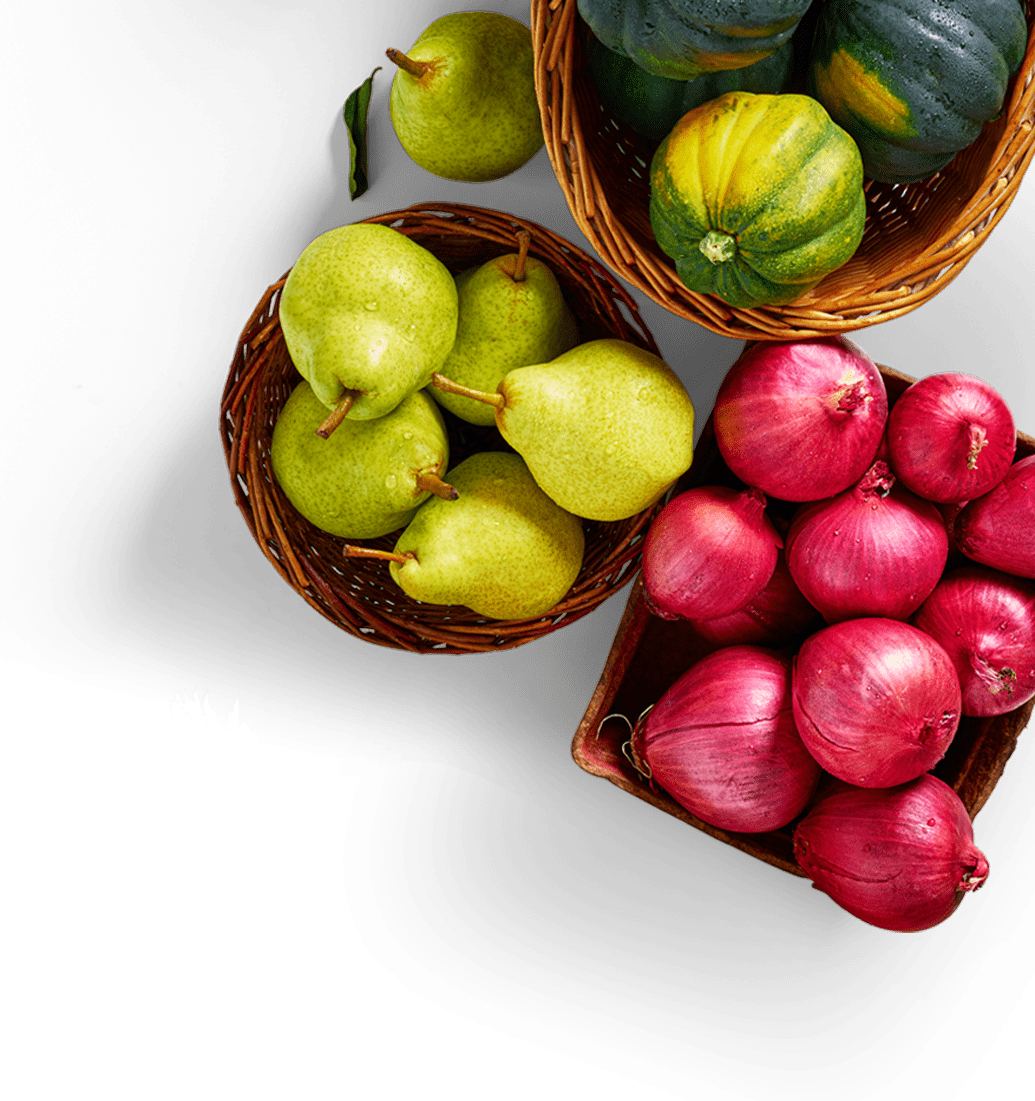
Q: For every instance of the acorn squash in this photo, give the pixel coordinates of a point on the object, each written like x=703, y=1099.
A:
x=757, y=197
x=681, y=39
x=914, y=81
x=652, y=105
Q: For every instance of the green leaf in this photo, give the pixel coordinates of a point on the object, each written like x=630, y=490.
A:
x=355, y=116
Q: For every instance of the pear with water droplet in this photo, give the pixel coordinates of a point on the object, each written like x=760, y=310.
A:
x=605, y=428
x=368, y=315
x=503, y=548
x=368, y=478
x=511, y=313
x=463, y=101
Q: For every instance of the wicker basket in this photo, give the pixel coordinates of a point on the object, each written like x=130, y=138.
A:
x=918, y=236
x=649, y=654
x=358, y=594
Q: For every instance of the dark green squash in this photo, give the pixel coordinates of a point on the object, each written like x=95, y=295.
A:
x=756, y=197
x=682, y=39
x=652, y=105
x=914, y=81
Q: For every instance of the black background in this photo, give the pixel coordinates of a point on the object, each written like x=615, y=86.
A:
x=482, y=867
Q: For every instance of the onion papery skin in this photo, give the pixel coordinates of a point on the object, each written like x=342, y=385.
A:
x=882, y=454
x=722, y=742
x=997, y=529
x=985, y=621
x=778, y=615
x=900, y=858
x=951, y=437
x=863, y=553
x=801, y=420
x=876, y=701
x=708, y=552
x=949, y=513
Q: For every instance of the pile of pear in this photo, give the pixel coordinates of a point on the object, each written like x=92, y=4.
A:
x=385, y=337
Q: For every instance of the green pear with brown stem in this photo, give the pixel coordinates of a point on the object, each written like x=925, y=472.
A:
x=502, y=548
x=605, y=428
x=463, y=100
x=370, y=477
x=367, y=315
x=512, y=313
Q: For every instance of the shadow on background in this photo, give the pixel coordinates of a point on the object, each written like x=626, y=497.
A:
x=482, y=870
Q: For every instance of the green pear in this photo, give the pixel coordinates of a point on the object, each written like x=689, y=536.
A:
x=503, y=548
x=370, y=477
x=463, y=100
x=512, y=313
x=605, y=428
x=368, y=315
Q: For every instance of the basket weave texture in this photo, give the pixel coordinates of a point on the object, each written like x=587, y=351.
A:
x=918, y=236
x=358, y=594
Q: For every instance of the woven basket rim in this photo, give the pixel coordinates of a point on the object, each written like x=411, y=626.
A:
x=357, y=594
x=864, y=292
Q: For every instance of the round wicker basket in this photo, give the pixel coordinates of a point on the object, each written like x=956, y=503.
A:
x=918, y=236
x=358, y=594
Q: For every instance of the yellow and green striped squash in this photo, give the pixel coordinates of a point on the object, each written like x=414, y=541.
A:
x=682, y=39
x=757, y=197
x=914, y=81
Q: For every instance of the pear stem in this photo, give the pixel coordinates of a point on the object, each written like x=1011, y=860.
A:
x=352, y=551
x=430, y=482
x=440, y=382
x=524, y=240
x=416, y=69
x=338, y=413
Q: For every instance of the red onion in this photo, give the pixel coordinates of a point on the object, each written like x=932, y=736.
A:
x=951, y=437
x=900, y=858
x=882, y=453
x=949, y=513
x=876, y=701
x=708, y=552
x=777, y=615
x=985, y=620
x=998, y=529
x=801, y=420
x=721, y=741
x=876, y=549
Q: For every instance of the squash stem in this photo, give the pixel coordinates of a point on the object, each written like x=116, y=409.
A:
x=718, y=247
